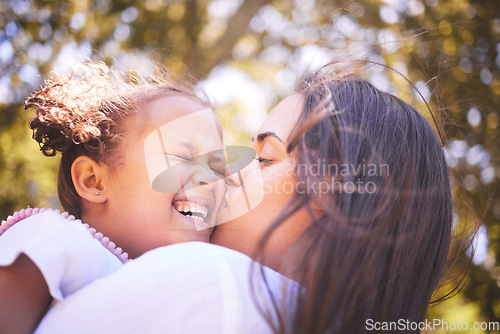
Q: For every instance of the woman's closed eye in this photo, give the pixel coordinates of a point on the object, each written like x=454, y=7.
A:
x=270, y=149
x=263, y=161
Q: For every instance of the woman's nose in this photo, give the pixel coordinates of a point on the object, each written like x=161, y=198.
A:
x=238, y=177
x=240, y=160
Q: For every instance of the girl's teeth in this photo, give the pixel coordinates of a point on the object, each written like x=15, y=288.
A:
x=197, y=218
x=187, y=206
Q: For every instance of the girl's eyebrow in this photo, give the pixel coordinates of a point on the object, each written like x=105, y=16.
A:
x=182, y=142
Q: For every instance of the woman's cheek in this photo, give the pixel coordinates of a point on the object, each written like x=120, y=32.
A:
x=279, y=179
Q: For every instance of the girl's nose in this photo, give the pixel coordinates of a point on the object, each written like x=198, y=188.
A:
x=204, y=176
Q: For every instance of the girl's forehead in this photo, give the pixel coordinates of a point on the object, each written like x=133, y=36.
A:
x=175, y=107
x=197, y=131
x=170, y=107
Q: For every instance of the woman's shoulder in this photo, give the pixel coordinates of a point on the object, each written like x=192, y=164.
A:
x=191, y=287
x=207, y=257
x=193, y=252
x=195, y=249
x=237, y=280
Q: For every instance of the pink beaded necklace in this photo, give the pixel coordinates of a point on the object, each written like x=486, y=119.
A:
x=25, y=213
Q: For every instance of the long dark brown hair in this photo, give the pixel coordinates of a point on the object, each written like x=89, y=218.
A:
x=380, y=249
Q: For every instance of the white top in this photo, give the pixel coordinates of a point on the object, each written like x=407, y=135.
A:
x=64, y=251
x=191, y=287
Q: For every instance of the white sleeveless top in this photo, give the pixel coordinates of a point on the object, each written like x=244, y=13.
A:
x=64, y=251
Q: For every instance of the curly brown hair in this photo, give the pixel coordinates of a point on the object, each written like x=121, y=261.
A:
x=84, y=113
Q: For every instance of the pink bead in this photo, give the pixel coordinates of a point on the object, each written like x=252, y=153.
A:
x=57, y=211
x=10, y=220
x=105, y=241
x=22, y=214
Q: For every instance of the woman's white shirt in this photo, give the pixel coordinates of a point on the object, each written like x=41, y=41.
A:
x=191, y=287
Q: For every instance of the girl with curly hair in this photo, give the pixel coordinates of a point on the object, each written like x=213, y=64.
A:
x=140, y=167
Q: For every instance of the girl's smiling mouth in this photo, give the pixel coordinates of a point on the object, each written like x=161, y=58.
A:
x=195, y=209
x=191, y=209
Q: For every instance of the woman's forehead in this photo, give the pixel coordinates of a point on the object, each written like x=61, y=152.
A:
x=283, y=117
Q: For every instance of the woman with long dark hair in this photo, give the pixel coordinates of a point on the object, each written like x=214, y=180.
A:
x=352, y=231
x=370, y=172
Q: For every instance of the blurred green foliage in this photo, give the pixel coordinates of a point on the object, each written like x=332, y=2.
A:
x=449, y=48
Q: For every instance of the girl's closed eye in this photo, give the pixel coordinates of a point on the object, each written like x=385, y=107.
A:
x=180, y=157
x=219, y=168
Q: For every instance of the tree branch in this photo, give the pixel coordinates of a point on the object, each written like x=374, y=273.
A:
x=222, y=49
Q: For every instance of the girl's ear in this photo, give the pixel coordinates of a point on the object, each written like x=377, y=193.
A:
x=89, y=178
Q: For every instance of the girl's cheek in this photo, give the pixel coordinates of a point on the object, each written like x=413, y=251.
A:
x=219, y=194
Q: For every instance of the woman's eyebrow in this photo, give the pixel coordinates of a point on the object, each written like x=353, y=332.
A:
x=262, y=136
